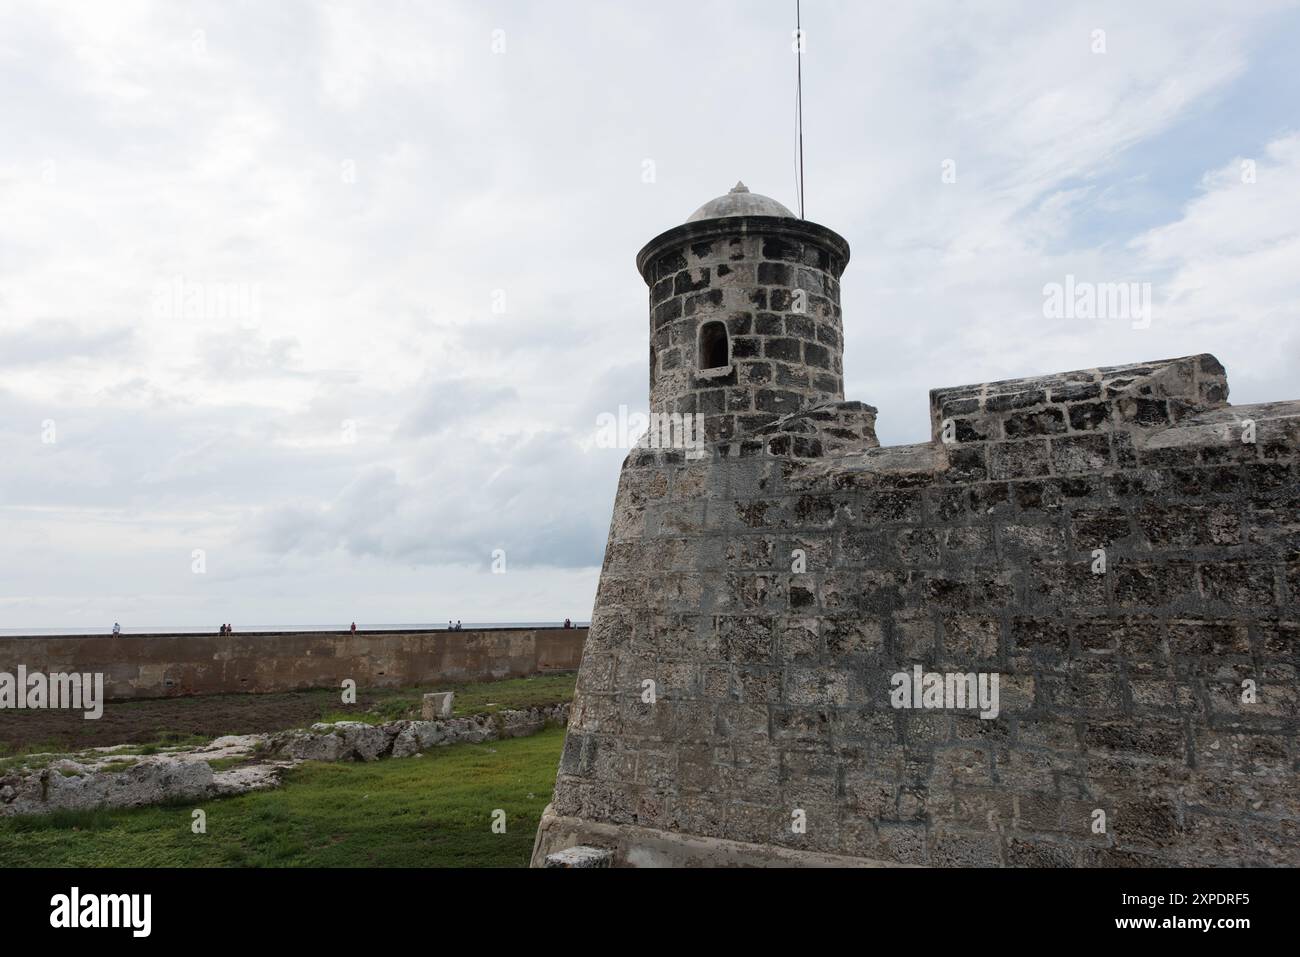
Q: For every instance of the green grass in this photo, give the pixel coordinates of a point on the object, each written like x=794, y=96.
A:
x=514, y=694
x=432, y=811
x=225, y=764
x=23, y=762
x=8, y=752
x=111, y=766
x=483, y=697
x=194, y=742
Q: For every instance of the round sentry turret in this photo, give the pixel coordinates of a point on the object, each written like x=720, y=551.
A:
x=745, y=321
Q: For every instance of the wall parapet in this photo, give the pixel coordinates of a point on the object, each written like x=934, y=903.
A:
x=1135, y=397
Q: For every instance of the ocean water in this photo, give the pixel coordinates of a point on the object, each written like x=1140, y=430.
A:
x=249, y=629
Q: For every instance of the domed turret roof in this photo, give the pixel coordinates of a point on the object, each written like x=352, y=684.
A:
x=740, y=202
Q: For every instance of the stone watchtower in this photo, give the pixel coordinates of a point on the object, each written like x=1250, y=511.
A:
x=794, y=624
x=745, y=320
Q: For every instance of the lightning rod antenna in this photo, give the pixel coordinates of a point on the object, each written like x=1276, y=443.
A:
x=798, y=94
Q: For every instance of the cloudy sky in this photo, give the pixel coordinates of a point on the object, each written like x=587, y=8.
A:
x=332, y=294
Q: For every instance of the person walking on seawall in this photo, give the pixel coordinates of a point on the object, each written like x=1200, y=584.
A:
x=568, y=623
x=354, y=628
x=117, y=629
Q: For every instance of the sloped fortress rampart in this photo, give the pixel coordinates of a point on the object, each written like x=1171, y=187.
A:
x=1119, y=546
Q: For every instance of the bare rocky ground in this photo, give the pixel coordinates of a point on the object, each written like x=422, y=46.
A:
x=123, y=776
x=200, y=716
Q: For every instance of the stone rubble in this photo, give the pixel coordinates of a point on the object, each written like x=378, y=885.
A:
x=582, y=856
x=101, y=778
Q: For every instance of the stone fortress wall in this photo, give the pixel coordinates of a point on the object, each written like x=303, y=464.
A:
x=157, y=666
x=1119, y=546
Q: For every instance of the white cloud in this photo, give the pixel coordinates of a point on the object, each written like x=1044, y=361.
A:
x=1231, y=262
x=386, y=182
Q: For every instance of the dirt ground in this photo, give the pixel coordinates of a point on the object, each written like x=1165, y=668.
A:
x=162, y=719
x=177, y=720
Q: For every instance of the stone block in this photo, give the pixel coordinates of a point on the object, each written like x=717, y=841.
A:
x=436, y=704
x=581, y=857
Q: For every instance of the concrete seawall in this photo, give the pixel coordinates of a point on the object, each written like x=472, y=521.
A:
x=157, y=666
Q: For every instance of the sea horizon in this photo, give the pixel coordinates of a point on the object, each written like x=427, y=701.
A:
x=264, y=629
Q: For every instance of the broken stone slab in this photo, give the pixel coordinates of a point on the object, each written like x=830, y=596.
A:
x=68, y=786
x=342, y=741
x=251, y=777
x=357, y=741
x=581, y=856
x=419, y=736
x=111, y=777
x=437, y=704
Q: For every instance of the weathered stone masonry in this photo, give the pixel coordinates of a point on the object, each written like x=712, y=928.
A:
x=1121, y=691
